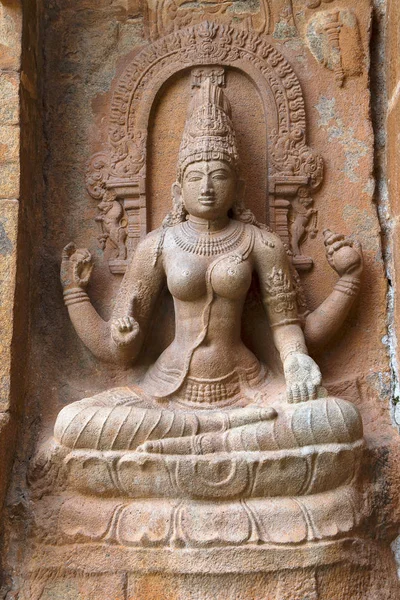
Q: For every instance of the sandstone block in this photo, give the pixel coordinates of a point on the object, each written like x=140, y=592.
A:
x=9, y=143
x=9, y=99
x=8, y=239
x=73, y=587
x=9, y=179
x=393, y=47
x=10, y=35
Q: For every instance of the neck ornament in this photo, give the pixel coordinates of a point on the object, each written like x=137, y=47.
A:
x=208, y=243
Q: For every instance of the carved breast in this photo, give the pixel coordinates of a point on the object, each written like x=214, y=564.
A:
x=186, y=277
x=229, y=277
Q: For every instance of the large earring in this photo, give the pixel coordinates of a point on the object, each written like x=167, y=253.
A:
x=179, y=212
x=239, y=207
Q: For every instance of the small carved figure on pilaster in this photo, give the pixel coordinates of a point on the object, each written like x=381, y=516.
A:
x=113, y=225
x=304, y=224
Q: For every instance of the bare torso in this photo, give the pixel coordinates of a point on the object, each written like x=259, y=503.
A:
x=209, y=292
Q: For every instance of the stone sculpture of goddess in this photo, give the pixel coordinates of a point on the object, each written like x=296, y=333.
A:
x=207, y=392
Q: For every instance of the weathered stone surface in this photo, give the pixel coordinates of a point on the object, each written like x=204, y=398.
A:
x=9, y=143
x=10, y=175
x=8, y=259
x=10, y=35
x=9, y=98
x=9, y=213
x=393, y=172
x=76, y=588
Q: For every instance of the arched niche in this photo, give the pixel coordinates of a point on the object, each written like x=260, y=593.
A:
x=117, y=176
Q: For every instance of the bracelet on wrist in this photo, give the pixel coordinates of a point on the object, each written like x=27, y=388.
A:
x=348, y=285
x=74, y=296
x=293, y=348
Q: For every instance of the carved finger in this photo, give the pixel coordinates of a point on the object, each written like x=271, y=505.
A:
x=117, y=333
x=289, y=394
x=334, y=237
x=123, y=325
x=128, y=323
x=358, y=248
x=268, y=414
x=312, y=391
x=303, y=389
x=296, y=393
x=338, y=245
x=134, y=324
x=82, y=273
x=348, y=242
x=68, y=251
x=82, y=256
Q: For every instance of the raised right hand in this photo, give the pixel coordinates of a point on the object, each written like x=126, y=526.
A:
x=76, y=267
x=344, y=255
x=124, y=330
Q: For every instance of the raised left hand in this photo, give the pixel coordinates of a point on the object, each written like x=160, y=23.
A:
x=76, y=267
x=303, y=378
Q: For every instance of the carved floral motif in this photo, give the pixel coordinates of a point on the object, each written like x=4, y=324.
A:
x=171, y=15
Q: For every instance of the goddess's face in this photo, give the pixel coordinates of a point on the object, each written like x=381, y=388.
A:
x=208, y=189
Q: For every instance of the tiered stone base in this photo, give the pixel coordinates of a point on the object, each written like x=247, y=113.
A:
x=196, y=523
x=334, y=570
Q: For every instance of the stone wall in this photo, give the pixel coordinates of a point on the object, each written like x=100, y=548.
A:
x=10, y=196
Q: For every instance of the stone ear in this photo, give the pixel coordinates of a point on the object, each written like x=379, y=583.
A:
x=176, y=190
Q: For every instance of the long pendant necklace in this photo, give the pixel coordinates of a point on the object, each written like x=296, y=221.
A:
x=208, y=243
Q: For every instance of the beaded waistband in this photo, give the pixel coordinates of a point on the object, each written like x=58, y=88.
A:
x=212, y=391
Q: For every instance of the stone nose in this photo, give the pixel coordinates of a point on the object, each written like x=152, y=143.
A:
x=207, y=187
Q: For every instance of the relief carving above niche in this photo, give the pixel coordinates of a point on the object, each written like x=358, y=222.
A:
x=166, y=16
x=334, y=39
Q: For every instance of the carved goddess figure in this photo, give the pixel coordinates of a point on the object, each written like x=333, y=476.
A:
x=207, y=392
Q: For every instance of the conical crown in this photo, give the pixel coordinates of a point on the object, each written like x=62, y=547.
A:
x=208, y=133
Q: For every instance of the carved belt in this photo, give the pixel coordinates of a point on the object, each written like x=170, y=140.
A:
x=211, y=391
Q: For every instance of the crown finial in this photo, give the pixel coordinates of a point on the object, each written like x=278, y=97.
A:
x=208, y=133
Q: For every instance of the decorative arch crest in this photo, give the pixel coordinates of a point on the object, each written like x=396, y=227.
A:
x=116, y=176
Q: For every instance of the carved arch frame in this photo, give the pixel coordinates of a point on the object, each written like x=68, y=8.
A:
x=120, y=169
